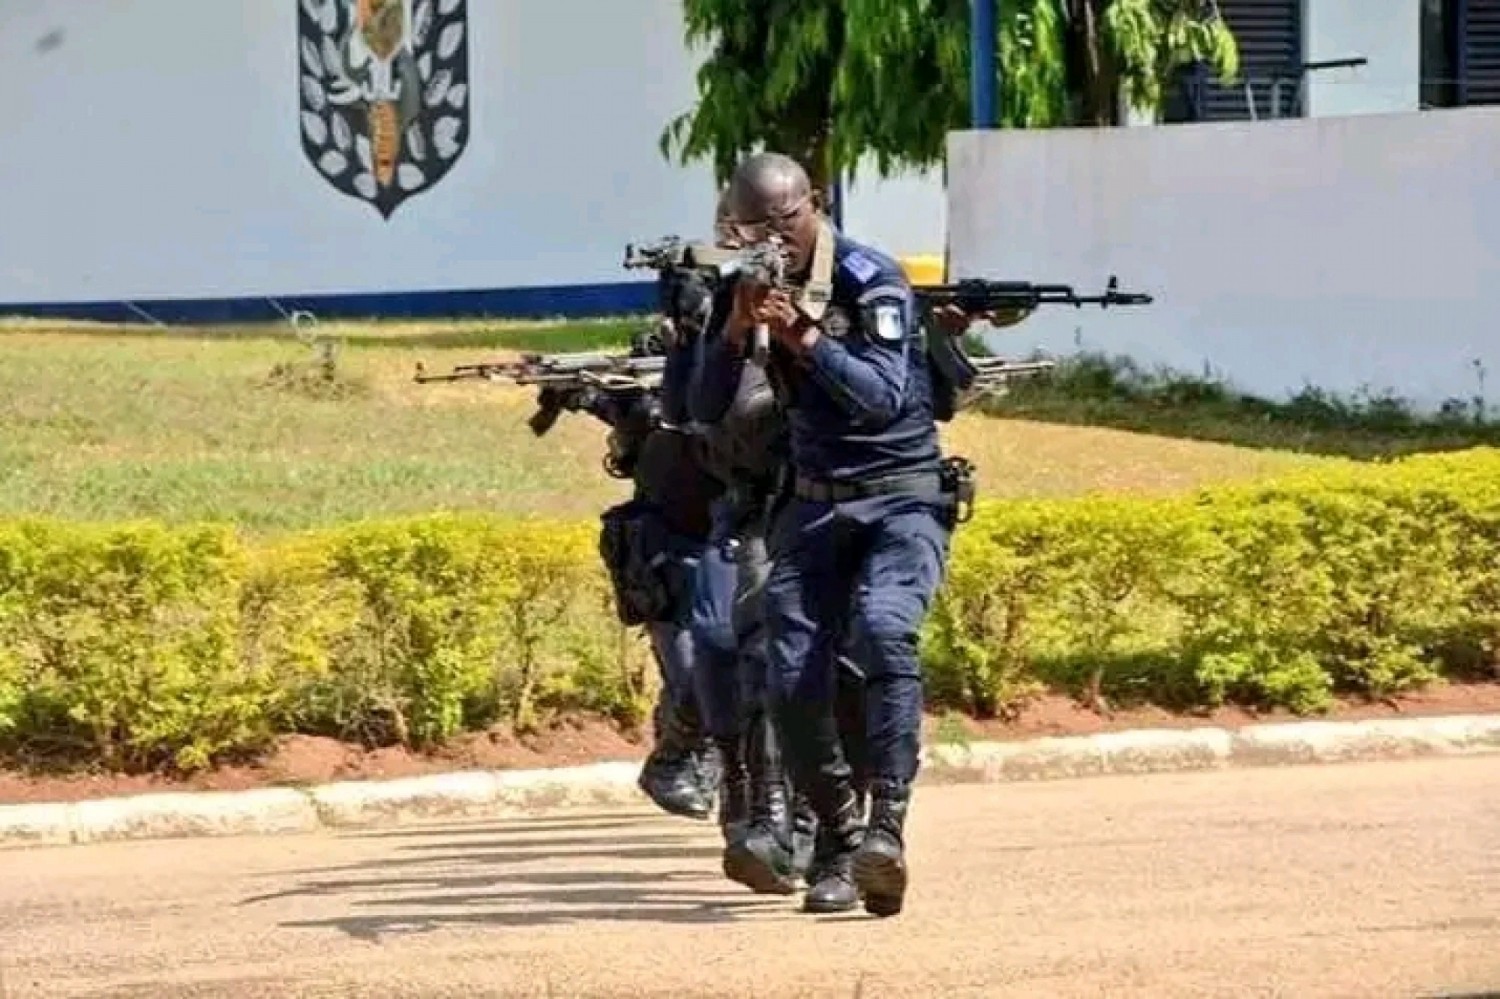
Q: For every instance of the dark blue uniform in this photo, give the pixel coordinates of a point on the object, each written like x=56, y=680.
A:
x=864, y=539
x=669, y=519
x=728, y=609
x=734, y=415
x=745, y=445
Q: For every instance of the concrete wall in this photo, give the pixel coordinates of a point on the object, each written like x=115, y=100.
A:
x=905, y=214
x=1343, y=252
x=153, y=151
x=1386, y=32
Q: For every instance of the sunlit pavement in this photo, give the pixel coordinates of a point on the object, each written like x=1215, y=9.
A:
x=1354, y=880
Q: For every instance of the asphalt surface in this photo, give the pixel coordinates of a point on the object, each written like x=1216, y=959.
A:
x=1352, y=880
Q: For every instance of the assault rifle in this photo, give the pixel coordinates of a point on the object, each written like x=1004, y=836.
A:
x=602, y=384
x=762, y=263
x=977, y=297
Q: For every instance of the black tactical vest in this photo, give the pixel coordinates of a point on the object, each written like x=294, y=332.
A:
x=671, y=476
x=747, y=446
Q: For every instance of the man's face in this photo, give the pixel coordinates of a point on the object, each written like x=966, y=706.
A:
x=794, y=225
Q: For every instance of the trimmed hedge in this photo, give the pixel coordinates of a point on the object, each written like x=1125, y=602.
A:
x=141, y=646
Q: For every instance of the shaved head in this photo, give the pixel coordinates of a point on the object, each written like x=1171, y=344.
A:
x=767, y=185
x=770, y=195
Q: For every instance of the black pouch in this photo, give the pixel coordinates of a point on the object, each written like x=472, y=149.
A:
x=957, y=477
x=634, y=545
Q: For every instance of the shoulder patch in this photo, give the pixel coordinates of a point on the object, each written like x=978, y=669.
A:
x=861, y=267
x=888, y=324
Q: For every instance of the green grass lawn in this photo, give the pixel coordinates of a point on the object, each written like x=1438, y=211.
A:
x=105, y=423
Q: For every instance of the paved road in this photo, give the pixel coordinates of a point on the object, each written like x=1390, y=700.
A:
x=1378, y=880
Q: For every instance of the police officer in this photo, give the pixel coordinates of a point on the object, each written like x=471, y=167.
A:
x=869, y=508
x=731, y=405
x=652, y=544
x=734, y=414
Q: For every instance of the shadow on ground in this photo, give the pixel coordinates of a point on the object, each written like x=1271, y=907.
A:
x=609, y=868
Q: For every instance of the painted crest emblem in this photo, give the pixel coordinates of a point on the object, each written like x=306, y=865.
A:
x=385, y=94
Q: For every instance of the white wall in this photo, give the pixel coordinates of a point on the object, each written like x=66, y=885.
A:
x=1386, y=32
x=1341, y=252
x=151, y=149
x=155, y=152
x=904, y=215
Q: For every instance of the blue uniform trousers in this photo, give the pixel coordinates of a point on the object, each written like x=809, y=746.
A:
x=728, y=623
x=671, y=640
x=875, y=563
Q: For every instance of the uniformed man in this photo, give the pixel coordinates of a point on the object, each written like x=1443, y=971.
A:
x=864, y=538
x=731, y=406
x=734, y=415
x=654, y=542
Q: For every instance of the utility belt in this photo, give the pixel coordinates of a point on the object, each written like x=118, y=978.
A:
x=952, y=482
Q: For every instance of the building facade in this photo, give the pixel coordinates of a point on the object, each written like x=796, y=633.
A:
x=1318, y=58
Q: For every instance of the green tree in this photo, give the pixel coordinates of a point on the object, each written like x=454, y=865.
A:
x=838, y=84
x=770, y=79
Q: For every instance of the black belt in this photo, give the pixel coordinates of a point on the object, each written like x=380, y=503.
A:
x=929, y=484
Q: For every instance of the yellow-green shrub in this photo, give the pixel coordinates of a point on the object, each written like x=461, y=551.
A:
x=430, y=626
x=141, y=645
x=121, y=641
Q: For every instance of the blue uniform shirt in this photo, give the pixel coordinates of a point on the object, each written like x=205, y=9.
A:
x=861, y=400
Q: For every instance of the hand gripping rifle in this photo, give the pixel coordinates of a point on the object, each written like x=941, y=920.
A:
x=762, y=263
x=601, y=384
x=976, y=297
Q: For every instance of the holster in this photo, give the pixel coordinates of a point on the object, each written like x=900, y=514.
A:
x=635, y=546
x=751, y=505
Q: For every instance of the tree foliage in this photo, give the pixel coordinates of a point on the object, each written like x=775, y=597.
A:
x=844, y=84
x=769, y=79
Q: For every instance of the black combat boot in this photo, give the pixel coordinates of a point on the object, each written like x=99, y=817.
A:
x=670, y=776
x=734, y=792
x=880, y=863
x=762, y=860
x=861, y=798
x=804, y=834
x=830, y=876
x=708, y=768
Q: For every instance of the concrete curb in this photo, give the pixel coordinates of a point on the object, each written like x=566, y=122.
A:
x=501, y=794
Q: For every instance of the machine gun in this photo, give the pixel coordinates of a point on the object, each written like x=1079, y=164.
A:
x=604, y=385
x=762, y=263
x=976, y=297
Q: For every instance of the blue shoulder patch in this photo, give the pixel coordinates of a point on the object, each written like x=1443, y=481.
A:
x=861, y=267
